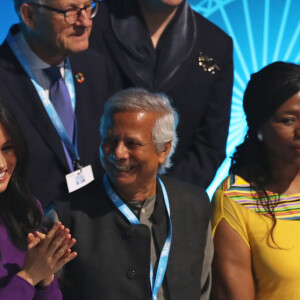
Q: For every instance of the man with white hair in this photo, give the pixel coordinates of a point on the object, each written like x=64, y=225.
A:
x=55, y=98
x=139, y=235
x=166, y=46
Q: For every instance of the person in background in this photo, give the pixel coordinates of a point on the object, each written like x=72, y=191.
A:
x=56, y=90
x=165, y=46
x=28, y=258
x=133, y=224
x=256, y=209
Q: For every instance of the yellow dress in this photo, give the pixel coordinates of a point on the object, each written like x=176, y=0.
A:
x=276, y=269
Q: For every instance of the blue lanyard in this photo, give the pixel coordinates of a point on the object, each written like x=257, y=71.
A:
x=164, y=256
x=72, y=148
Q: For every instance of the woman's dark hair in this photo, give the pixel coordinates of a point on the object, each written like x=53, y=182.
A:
x=19, y=211
x=266, y=91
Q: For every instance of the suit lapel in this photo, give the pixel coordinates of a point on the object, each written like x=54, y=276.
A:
x=121, y=60
x=160, y=219
x=26, y=96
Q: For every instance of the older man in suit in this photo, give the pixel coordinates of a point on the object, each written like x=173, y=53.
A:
x=165, y=46
x=56, y=100
x=139, y=236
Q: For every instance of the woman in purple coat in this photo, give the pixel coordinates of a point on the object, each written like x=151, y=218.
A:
x=28, y=258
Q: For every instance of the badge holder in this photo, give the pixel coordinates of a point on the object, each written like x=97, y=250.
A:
x=79, y=178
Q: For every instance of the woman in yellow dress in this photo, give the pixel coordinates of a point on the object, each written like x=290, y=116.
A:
x=256, y=210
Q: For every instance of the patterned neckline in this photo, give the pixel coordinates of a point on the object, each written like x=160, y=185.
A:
x=239, y=190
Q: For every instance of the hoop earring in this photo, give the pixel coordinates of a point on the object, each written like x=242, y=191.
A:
x=260, y=136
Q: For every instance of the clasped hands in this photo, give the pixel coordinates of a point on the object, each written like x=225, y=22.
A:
x=46, y=254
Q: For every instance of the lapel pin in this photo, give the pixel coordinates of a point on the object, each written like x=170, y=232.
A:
x=208, y=64
x=79, y=77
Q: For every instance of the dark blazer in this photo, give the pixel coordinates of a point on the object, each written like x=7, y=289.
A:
x=47, y=163
x=202, y=99
x=114, y=257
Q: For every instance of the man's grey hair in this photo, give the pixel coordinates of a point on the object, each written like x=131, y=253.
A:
x=138, y=99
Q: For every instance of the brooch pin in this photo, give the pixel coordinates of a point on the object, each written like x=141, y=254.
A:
x=79, y=77
x=208, y=64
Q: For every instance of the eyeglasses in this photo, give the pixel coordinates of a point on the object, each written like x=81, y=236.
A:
x=71, y=15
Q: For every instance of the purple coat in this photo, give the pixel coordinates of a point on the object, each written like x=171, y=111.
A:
x=13, y=287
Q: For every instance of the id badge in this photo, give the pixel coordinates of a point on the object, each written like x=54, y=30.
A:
x=79, y=178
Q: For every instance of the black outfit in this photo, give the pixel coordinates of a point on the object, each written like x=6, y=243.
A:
x=202, y=98
x=114, y=257
x=47, y=163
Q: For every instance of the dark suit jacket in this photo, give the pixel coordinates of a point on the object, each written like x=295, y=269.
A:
x=202, y=99
x=47, y=163
x=114, y=257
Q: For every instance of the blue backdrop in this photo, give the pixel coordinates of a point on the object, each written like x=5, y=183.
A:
x=263, y=31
